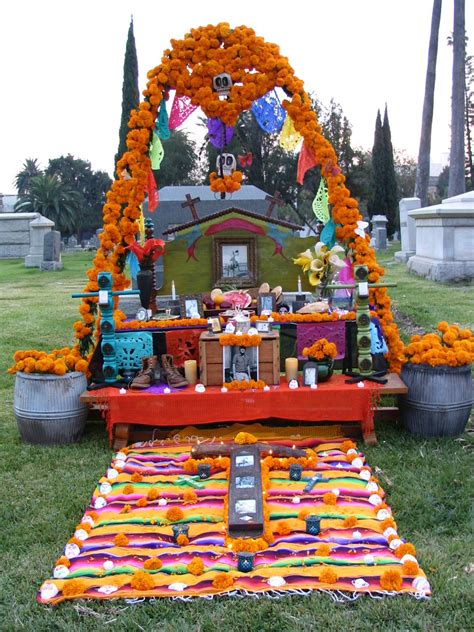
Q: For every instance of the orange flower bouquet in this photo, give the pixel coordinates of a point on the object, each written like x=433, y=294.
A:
x=322, y=349
x=57, y=362
x=452, y=346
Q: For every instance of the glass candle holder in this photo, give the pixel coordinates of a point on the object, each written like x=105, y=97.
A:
x=313, y=524
x=204, y=470
x=245, y=562
x=180, y=529
x=295, y=472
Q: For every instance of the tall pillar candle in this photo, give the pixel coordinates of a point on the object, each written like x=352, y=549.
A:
x=190, y=371
x=291, y=369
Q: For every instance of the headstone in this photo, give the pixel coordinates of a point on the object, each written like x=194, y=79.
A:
x=15, y=234
x=39, y=227
x=407, y=229
x=52, y=251
x=72, y=242
x=379, y=231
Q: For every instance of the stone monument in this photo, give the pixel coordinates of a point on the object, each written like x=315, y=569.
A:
x=379, y=231
x=38, y=229
x=52, y=251
x=445, y=240
x=15, y=234
x=407, y=229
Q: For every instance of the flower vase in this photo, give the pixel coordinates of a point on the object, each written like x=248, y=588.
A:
x=325, y=369
x=145, y=286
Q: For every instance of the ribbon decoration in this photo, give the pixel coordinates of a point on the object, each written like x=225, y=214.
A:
x=161, y=125
x=245, y=160
x=220, y=135
x=180, y=110
x=305, y=161
x=289, y=137
x=141, y=225
x=320, y=203
x=156, y=151
x=269, y=112
x=328, y=234
x=153, y=195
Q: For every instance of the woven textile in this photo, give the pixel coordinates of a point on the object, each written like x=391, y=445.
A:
x=124, y=544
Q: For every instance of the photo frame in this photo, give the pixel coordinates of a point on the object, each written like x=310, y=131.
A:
x=310, y=373
x=215, y=325
x=263, y=326
x=240, y=369
x=266, y=303
x=234, y=261
x=191, y=304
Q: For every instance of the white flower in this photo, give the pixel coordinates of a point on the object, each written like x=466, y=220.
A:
x=361, y=226
x=276, y=581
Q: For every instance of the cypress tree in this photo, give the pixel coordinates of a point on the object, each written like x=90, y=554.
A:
x=377, y=203
x=391, y=189
x=130, y=94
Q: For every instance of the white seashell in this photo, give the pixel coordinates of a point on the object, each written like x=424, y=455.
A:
x=178, y=586
x=369, y=559
x=266, y=388
x=360, y=385
x=112, y=473
x=276, y=581
x=372, y=486
x=107, y=589
x=357, y=535
x=408, y=558
x=365, y=475
x=395, y=543
x=293, y=384
x=166, y=390
x=359, y=583
x=314, y=386
x=60, y=572
x=105, y=488
x=99, y=502
x=421, y=584
x=48, y=590
x=200, y=388
x=81, y=534
x=357, y=462
x=224, y=389
x=87, y=520
x=375, y=500
x=383, y=514
x=122, y=391
x=120, y=456
x=162, y=502
x=389, y=531
x=296, y=500
x=71, y=551
x=108, y=565
x=352, y=451
x=336, y=491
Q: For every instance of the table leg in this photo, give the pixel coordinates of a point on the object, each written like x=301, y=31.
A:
x=121, y=436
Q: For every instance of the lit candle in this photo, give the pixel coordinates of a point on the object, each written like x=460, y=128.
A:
x=291, y=369
x=299, y=284
x=190, y=371
x=173, y=291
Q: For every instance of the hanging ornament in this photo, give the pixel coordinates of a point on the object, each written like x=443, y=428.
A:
x=269, y=112
x=289, y=137
x=226, y=164
x=156, y=151
x=222, y=84
x=305, y=161
x=153, y=195
x=141, y=225
x=180, y=110
x=161, y=125
x=245, y=160
x=320, y=203
x=328, y=234
x=220, y=135
x=361, y=226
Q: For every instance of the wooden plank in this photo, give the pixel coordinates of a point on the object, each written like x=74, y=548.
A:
x=394, y=385
x=386, y=413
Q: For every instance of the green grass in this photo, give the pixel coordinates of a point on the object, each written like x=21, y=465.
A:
x=45, y=491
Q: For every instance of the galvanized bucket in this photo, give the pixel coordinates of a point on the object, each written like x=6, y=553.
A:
x=47, y=407
x=439, y=399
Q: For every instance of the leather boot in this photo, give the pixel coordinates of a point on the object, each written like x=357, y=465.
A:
x=144, y=378
x=171, y=373
x=154, y=364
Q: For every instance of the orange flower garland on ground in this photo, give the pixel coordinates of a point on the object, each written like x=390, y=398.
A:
x=321, y=350
x=451, y=347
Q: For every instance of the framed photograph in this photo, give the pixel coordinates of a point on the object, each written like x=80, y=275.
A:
x=263, y=326
x=239, y=364
x=310, y=373
x=191, y=306
x=234, y=261
x=266, y=303
x=216, y=326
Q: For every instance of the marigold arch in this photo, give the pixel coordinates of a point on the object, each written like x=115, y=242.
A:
x=256, y=67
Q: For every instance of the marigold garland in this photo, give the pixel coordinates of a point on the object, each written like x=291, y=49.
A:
x=222, y=581
x=321, y=350
x=306, y=318
x=174, y=514
x=244, y=385
x=245, y=438
x=243, y=340
x=195, y=566
x=451, y=347
x=141, y=580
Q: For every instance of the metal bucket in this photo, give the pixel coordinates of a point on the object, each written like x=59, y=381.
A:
x=439, y=399
x=47, y=407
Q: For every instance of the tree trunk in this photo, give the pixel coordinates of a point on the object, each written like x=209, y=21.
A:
x=457, y=182
x=423, y=168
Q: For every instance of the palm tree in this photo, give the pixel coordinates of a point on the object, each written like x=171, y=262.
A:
x=48, y=196
x=457, y=182
x=423, y=168
x=30, y=169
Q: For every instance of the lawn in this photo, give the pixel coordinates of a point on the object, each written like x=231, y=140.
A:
x=46, y=490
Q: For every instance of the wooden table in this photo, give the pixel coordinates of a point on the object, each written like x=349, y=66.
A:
x=333, y=401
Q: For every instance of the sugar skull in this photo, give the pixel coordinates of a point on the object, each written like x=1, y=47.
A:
x=228, y=164
x=222, y=83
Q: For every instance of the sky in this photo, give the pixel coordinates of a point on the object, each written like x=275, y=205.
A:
x=62, y=66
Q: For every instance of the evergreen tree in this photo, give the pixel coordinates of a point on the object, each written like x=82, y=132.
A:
x=377, y=203
x=390, y=179
x=130, y=93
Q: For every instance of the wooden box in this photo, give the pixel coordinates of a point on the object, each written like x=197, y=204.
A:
x=211, y=359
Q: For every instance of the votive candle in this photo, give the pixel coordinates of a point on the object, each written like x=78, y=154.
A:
x=291, y=369
x=190, y=371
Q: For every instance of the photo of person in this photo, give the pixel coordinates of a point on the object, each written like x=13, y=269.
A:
x=266, y=303
x=234, y=260
x=192, y=310
x=191, y=306
x=240, y=363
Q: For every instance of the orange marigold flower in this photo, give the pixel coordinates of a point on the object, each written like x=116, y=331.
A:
x=347, y=445
x=63, y=561
x=126, y=509
x=142, y=502
x=328, y=576
x=329, y=498
x=121, y=540
x=174, y=514
x=153, y=563
x=303, y=513
x=141, y=580
x=190, y=466
x=283, y=528
x=182, y=539
x=350, y=522
x=153, y=494
x=190, y=498
x=391, y=580
x=387, y=523
x=245, y=438
x=195, y=566
x=222, y=581
x=128, y=489
x=323, y=550
x=442, y=326
x=74, y=587
x=405, y=549
x=73, y=540
x=136, y=477
x=410, y=568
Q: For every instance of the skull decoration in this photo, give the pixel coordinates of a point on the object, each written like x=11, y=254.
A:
x=222, y=83
x=228, y=163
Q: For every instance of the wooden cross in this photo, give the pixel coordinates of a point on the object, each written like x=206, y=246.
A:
x=274, y=200
x=191, y=203
x=245, y=510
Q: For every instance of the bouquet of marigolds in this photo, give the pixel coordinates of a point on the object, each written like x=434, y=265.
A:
x=58, y=362
x=321, y=350
x=452, y=346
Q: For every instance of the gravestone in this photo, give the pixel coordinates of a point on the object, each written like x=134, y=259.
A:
x=39, y=227
x=72, y=243
x=407, y=229
x=379, y=231
x=15, y=234
x=52, y=251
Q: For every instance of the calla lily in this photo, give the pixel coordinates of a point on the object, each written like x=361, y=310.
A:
x=317, y=266
x=336, y=262
x=314, y=278
x=304, y=260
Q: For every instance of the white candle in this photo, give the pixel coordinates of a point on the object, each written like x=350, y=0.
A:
x=299, y=284
x=190, y=371
x=291, y=369
x=173, y=291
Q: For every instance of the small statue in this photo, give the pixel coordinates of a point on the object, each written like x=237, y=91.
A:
x=241, y=366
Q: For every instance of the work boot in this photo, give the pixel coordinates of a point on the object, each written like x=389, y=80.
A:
x=154, y=364
x=145, y=377
x=171, y=373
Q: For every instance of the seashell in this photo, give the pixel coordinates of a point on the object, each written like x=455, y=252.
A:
x=276, y=581
x=178, y=586
x=48, y=590
x=71, y=551
x=60, y=572
x=108, y=565
x=359, y=583
x=107, y=589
